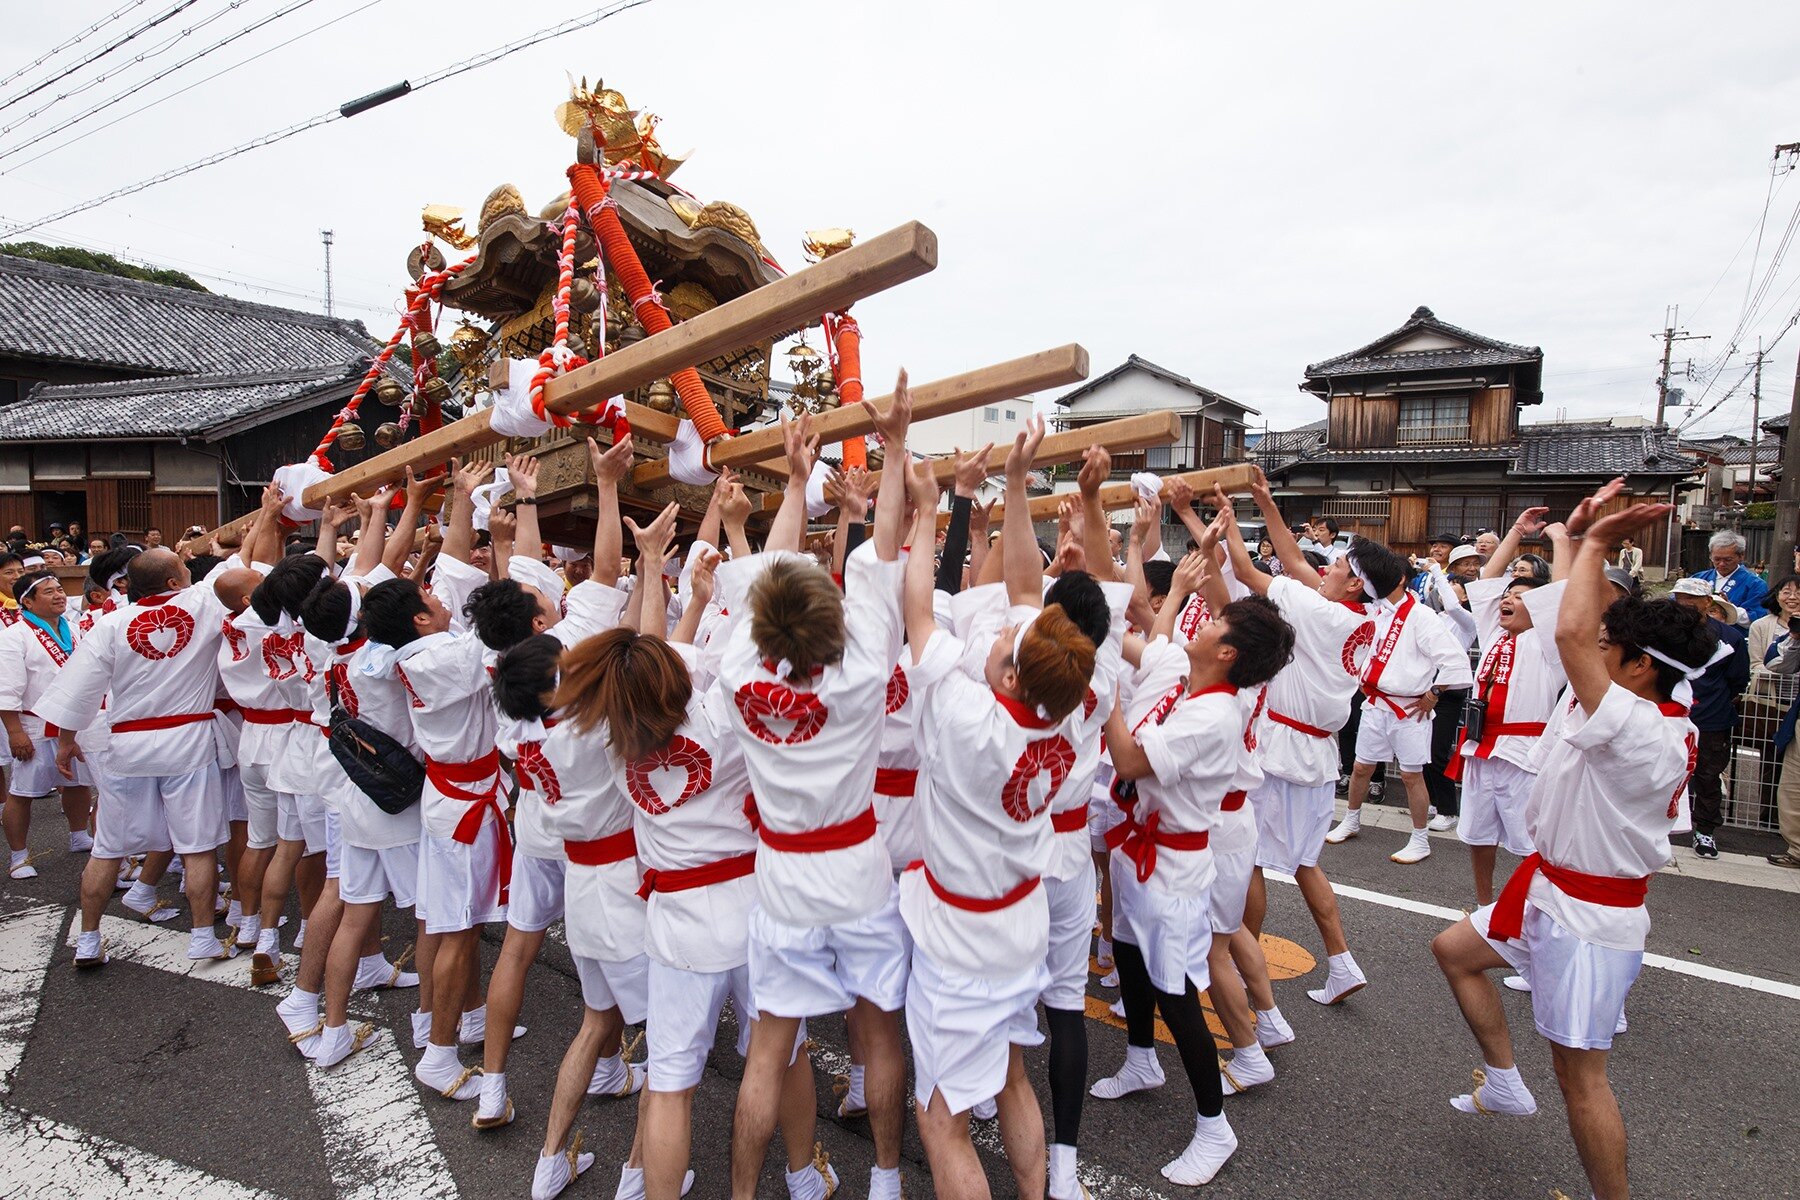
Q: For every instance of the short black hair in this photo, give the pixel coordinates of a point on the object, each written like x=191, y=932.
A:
x=1383, y=568
x=1315, y=560
x=202, y=565
x=1263, y=639
x=388, y=611
x=524, y=673
x=285, y=588
x=1160, y=575
x=326, y=610
x=501, y=613
x=9, y=558
x=1080, y=596
x=29, y=580
x=1329, y=523
x=1772, y=601
x=1669, y=628
x=105, y=565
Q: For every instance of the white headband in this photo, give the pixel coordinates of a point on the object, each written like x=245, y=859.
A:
x=1722, y=651
x=1018, y=642
x=1367, y=587
x=24, y=595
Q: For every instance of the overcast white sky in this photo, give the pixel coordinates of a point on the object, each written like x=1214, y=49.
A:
x=1232, y=193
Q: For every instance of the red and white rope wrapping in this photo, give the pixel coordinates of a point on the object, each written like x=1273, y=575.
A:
x=556, y=358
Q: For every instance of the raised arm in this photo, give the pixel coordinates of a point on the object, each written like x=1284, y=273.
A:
x=855, y=488
x=653, y=553
x=1023, y=565
x=1096, y=465
x=790, y=519
x=1287, y=548
x=263, y=543
x=503, y=529
x=1212, y=584
x=1588, y=595
x=1190, y=574
x=400, y=542
x=1530, y=524
x=921, y=622
x=1242, y=565
x=522, y=473
x=890, y=503
x=734, y=511
x=700, y=592
x=1129, y=760
x=709, y=520
x=609, y=468
x=333, y=518
x=372, y=514
x=1562, y=551
x=1144, y=514
x=970, y=470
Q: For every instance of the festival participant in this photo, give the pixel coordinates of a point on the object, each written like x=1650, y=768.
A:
x=32, y=651
x=1413, y=660
x=155, y=666
x=808, y=674
x=1611, y=771
x=11, y=567
x=994, y=724
x=1516, y=689
x=464, y=849
x=1181, y=743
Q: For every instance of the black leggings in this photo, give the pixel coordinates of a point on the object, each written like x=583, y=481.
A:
x=1068, y=1072
x=1181, y=1013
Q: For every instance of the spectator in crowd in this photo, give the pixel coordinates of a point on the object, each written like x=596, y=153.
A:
x=1631, y=559
x=152, y=538
x=1784, y=659
x=1714, y=711
x=97, y=546
x=1783, y=603
x=1324, y=535
x=1730, y=577
x=74, y=532
x=1486, y=542
x=1439, y=548
x=1531, y=566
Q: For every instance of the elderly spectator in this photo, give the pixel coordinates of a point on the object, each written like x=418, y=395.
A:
x=1486, y=542
x=98, y=545
x=1731, y=578
x=1783, y=603
x=1714, y=712
x=1531, y=566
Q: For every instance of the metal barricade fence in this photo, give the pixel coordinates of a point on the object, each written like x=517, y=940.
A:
x=1754, y=772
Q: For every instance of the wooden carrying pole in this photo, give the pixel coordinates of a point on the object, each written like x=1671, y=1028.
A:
x=880, y=263
x=1123, y=434
x=1235, y=478
x=1002, y=381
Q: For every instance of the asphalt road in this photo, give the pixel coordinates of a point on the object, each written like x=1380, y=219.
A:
x=151, y=1079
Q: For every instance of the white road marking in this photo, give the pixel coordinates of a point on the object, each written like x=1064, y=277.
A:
x=46, y=1158
x=27, y=942
x=1736, y=979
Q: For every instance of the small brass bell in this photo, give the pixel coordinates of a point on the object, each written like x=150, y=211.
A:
x=436, y=390
x=583, y=296
x=425, y=345
x=661, y=396
x=387, y=435
x=350, y=436
x=389, y=391
x=877, y=456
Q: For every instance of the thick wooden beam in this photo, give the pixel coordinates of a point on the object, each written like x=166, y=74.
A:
x=1123, y=434
x=833, y=285
x=1002, y=381
x=1233, y=479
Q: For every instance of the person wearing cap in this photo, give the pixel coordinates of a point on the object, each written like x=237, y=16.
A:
x=1729, y=576
x=1715, y=707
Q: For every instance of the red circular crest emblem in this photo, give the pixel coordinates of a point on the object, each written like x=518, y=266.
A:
x=237, y=640
x=339, y=675
x=160, y=632
x=534, y=771
x=680, y=754
x=760, y=702
x=281, y=654
x=898, y=691
x=1355, y=644
x=1053, y=755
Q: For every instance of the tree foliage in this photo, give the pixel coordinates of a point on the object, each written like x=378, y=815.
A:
x=105, y=264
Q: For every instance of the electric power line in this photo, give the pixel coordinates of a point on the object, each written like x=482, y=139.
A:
x=138, y=86
x=57, y=49
x=394, y=92
x=97, y=55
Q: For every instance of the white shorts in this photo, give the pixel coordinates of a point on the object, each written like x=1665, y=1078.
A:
x=1578, y=989
x=1173, y=932
x=1230, y=888
x=232, y=785
x=1103, y=814
x=1291, y=823
x=963, y=1030
x=1381, y=737
x=459, y=886
x=1493, y=805
x=686, y=1005
x=334, y=846
x=261, y=806
x=1071, y=940
x=301, y=819
x=621, y=985
x=185, y=813
x=808, y=971
x=536, y=898
x=37, y=776
x=371, y=876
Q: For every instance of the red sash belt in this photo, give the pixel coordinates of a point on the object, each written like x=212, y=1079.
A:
x=448, y=778
x=854, y=832
x=1302, y=726
x=614, y=848
x=1069, y=820
x=688, y=878
x=1375, y=697
x=1490, y=734
x=893, y=781
x=269, y=716
x=979, y=904
x=50, y=730
x=1508, y=917
x=146, y=724
x=1233, y=801
x=1139, y=842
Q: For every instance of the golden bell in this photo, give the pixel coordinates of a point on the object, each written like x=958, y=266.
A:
x=389, y=391
x=877, y=456
x=425, y=345
x=350, y=436
x=436, y=390
x=661, y=396
x=387, y=435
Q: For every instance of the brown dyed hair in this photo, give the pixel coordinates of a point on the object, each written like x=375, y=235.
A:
x=637, y=684
x=797, y=614
x=1055, y=663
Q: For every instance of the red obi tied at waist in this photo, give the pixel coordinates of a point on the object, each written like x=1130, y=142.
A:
x=449, y=777
x=1069, y=820
x=1139, y=842
x=1377, y=698
x=146, y=724
x=979, y=904
x=1508, y=918
x=688, y=878
x=1491, y=732
x=1233, y=801
x=1302, y=726
x=613, y=848
x=269, y=716
x=895, y=781
x=854, y=832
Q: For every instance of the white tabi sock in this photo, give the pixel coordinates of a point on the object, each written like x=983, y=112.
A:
x=473, y=1027
x=268, y=941
x=493, y=1096
x=1502, y=1091
x=249, y=933
x=204, y=943
x=80, y=841
x=87, y=944
x=631, y=1184
x=234, y=913
x=421, y=1029
x=1214, y=1143
x=1063, y=1184
x=809, y=1184
x=1272, y=1028
x=300, y=938
x=1248, y=1067
x=853, y=1094
x=139, y=895
x=300, y=1003
x=884, y=1183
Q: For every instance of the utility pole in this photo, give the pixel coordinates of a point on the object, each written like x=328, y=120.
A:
x=1755, y=423
x=1787, y=491
x=325, y=236
x=1670, y=335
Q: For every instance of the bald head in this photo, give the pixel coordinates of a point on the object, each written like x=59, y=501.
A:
x=233, y=588
x=155, y=571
